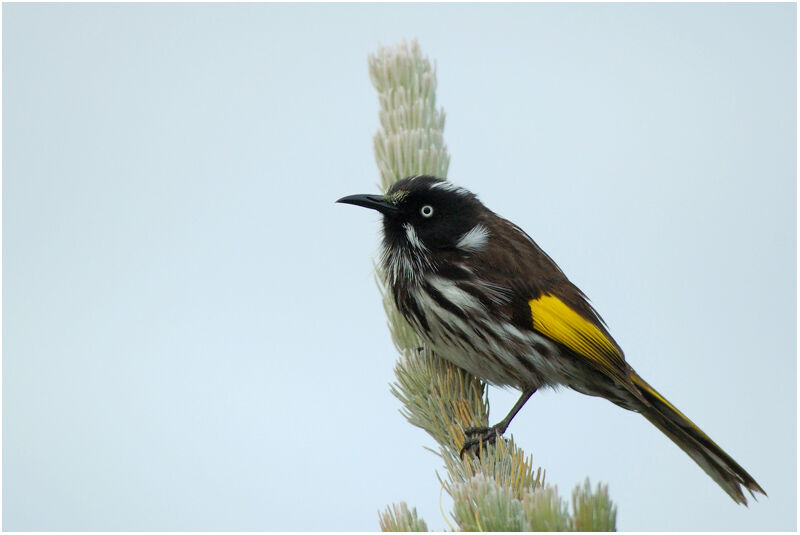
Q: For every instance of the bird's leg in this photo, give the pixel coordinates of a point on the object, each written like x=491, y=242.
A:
x=490, y=434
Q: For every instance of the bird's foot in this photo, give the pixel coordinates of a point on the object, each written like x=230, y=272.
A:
x=480, y=435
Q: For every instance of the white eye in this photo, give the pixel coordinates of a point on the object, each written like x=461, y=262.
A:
x=426, y=210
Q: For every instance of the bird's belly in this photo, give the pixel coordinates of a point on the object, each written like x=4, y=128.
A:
x=488, y=347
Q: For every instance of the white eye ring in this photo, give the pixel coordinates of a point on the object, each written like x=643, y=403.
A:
x=426, y=210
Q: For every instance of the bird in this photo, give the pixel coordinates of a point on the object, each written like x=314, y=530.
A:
x=484, y=296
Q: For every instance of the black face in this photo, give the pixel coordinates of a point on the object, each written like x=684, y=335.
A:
x=438, y=212
x=423, y=210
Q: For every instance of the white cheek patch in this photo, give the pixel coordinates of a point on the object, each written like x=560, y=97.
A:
x=412, y=237
x=475, y=239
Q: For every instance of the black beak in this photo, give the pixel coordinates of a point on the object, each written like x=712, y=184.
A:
x=376, y=202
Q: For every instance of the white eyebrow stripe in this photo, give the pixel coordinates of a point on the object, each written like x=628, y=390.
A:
x=446, y=185
x=475, y=239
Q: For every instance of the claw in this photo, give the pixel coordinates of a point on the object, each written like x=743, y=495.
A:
x=486, y=435
x=490, y=434
x=476, y=430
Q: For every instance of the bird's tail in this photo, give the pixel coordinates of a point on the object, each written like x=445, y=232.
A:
x=716, y=463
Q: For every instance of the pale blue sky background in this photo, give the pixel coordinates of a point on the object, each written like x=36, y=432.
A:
x=192, y=338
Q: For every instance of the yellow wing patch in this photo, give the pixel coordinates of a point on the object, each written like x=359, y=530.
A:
x=555, y=319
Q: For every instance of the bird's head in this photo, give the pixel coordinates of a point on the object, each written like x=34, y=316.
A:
x=428, y=215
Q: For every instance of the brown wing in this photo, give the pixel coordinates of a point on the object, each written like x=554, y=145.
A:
x=541, y=298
